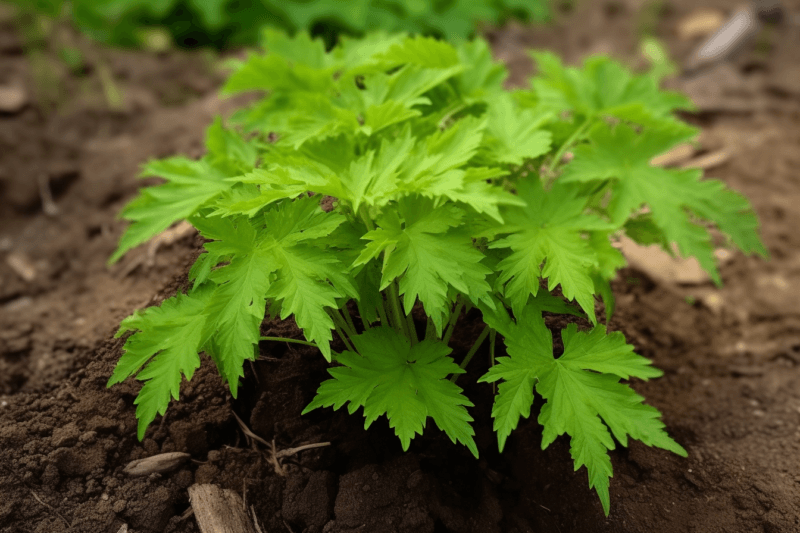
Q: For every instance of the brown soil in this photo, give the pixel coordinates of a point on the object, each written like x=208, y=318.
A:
x=730, y=394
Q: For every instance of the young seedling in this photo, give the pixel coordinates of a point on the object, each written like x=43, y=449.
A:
x=450, y=193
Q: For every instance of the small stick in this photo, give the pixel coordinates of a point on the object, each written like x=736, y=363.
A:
x=255, y=520
x=247, y=432
x=275, y=455
x=48, y=204
x=38, y=499
x=291, y=451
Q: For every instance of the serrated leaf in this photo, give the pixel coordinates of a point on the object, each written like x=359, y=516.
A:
x=236, y=309
x=227, y=149
x=166, y=342
x=623, y=156
x=189, y=186
x=483, y=78
x=514, y=134
x=427, y=257
x=550, y=232
x=419, y=50
x=602, y=86
x=584, y=397
x=407, y=384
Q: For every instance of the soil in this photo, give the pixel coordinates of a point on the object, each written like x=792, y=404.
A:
x=731, y=356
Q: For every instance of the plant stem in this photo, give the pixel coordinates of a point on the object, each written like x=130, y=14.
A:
x=344, y=338
x=569, y=142
x=412, y=329
x=284, y=339
x=452, y=324
x=430, y=330
x=362, y=212
x=382, y=313
x=472, y=351
x=341, y=328
x=394, y=301
x=349, y=320
x=343, y=323
x=361, y=313
x=455, y=109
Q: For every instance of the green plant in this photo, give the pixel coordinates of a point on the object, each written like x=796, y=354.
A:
x=448, y=193
x=237, y=22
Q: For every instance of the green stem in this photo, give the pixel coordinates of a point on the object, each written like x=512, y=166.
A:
x=349, y=320
x=412, y=329
x=569, y=142
x=363, y=213
x=363, y=315
x=394, y=301
x=341, y=327
x=455, y=108
x=284, y=339
x=448, y=332
x=472, y=352
x=430, y=330
x=382, y=312
x=345, y=339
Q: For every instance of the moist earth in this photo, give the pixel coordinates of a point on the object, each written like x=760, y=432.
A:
x=730, y=393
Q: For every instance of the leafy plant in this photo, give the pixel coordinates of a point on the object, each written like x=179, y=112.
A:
x=446, y=192
x=236, y=22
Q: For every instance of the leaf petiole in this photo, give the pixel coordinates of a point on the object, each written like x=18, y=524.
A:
x=575, y=137
x=394, y=302
x=284, y=339
x=341, y=328
x=452, y=324
x=472, y=351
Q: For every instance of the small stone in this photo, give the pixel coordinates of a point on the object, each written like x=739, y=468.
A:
x=214, y=456
x=119, y=506
x=13, y=98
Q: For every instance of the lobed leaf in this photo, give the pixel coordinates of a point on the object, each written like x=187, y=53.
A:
x=406, y=383
x=584, y=397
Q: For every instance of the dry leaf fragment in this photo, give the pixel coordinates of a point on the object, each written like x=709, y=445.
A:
x=157, y=464
x=730, y=37
x=662, y=267
x=22, y=265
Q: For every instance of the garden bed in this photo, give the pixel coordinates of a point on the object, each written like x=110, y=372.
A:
x=730, y=394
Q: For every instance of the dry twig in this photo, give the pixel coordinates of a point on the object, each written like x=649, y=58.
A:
x=275, y=456
x=52, y=509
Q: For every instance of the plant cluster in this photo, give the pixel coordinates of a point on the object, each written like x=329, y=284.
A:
x=443, y=192
x=237, y=22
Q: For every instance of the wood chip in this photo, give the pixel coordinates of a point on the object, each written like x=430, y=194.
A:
x=21, y=265
x=662, y=267
x=676, y=156
x=700, y=23
x=219, y=510
x=157, y=464
x=710, y=160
